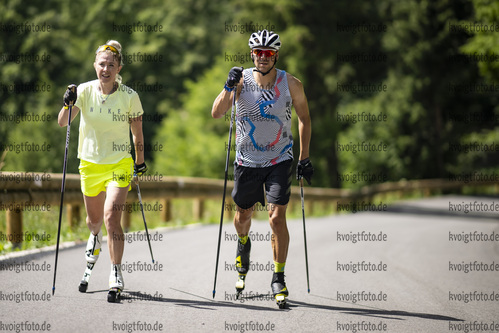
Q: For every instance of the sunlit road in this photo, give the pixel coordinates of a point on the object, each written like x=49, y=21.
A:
x=420, y=266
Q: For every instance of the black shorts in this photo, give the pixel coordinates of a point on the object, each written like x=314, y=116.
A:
x=248, y=184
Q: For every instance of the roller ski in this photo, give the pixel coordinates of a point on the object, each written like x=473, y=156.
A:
x=279, y=290
x=114, y=295
x=240, y=284
x=91, y=255
x=242, y=265
x=116, y=284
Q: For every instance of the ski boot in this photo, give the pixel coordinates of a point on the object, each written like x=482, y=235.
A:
x=279, y=289
x=116, y=284
x=242, y=265
x=86, y=277
x=91, y=255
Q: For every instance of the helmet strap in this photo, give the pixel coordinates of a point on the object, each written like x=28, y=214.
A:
x=263, y=74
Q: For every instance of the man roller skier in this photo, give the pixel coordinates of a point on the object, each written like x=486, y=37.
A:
x=264, y=152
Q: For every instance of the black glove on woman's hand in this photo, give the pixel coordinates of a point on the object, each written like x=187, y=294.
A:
x=140, y=169
x=70, y=95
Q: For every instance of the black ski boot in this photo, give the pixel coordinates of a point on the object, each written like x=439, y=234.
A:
x=279, y=289
x=242, y=264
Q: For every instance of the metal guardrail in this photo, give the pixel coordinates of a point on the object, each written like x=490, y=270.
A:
x=21, y=190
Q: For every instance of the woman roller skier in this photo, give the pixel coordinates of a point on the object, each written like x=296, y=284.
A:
x=109, y=110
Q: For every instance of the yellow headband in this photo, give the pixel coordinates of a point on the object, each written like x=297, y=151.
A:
x=108, y=47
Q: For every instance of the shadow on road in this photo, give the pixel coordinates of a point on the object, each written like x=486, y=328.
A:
x=371, y=312
x=205, y=303
x=210, y=304
x=129, y=296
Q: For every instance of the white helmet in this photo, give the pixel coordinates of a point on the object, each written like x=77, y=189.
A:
x=264, y=39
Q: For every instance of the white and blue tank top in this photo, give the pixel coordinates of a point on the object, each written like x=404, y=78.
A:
x=263, y=123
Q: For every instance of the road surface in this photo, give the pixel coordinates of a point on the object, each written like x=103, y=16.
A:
x=419, y=266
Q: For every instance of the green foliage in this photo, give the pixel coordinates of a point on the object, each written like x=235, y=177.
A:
x=201, y=40
x=195, y=144
x=485, y=38
x=186, y=44
x=424, y=115
x=482, y=50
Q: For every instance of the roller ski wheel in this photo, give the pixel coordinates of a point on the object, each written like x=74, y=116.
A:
x=279, y=290
x=281, y=300
x=240, y=284
x=82, y=288
x=86, y=277
x=114, y=295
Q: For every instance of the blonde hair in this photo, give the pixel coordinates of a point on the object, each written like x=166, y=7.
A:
x=118, y=57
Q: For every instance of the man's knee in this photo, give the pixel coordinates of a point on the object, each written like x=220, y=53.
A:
x=243, y=216
x=277, y=215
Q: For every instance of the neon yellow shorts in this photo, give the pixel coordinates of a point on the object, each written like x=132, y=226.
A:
x=96, y=177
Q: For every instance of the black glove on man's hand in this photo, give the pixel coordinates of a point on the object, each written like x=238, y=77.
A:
x=304, y=169
x=140, y=169
x=70, y=95
x=235, y=74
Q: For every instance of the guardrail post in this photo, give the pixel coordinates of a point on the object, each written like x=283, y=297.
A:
x=198, y=209
x=15, y=226
x=73, y=215
x=334, y=206
x=166, y=213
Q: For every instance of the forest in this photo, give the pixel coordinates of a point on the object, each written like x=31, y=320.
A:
x=396, y=89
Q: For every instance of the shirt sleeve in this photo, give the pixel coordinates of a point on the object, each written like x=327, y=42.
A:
x=135, y=106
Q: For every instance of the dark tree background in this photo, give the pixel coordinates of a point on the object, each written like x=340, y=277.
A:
x=436, y=70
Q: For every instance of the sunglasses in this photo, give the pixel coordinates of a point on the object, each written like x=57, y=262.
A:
x=265, y=53
x=107, y=47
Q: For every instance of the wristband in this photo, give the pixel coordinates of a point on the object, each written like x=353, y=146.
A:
x=228, y=89
x=66, y=107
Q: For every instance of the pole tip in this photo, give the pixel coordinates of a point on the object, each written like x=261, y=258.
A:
x=53, y=291
x=214, y=293
x=309, y=291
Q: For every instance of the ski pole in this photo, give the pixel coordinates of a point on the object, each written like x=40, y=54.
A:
x=304, y=230
x=71, y=87
x=143, y=216
x=225, y=189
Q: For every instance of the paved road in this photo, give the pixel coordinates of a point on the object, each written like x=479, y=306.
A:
x=423, y=275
